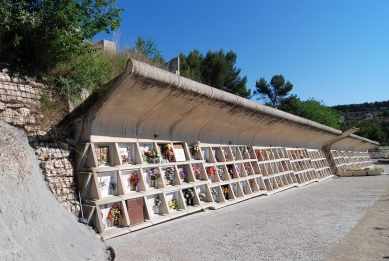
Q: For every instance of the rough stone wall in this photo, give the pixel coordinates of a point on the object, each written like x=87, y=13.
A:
x=19, y=106
x=379, y=153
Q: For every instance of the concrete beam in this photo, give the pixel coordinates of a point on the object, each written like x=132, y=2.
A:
x=327, y=145
x=145, y=101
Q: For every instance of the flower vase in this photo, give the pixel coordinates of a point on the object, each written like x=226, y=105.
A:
x=133, y=187
x=182, y=181
x=226, y=196
x=116, y=222
x=153, y=183
x=156, y=210
x=190, y=202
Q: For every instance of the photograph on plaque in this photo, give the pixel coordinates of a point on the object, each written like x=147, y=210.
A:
x=102, y=155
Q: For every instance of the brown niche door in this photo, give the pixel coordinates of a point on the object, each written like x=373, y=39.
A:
x=135, y=209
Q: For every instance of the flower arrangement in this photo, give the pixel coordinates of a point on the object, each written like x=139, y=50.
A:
x=225, y=191
x=154, y=174
x=257, y=153
x=169, y=173
x=112, y=186
x=133, y=180
x=189, y=194
x=251, y=183
x=293, y=154
x=195, y=148
x=202, y=195
x=182, y=174
x=126, y=159
x=246, y=166
x=231, y=171
x=196, y=170
x=151, y=156
x=115, y=213
x=226, y=155
x=220, y=172
x=173, y=204
x=211, y=171
x=167, y=151
x=243, y=150
x=157, y=202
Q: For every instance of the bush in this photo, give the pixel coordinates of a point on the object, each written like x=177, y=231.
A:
x=40, y=34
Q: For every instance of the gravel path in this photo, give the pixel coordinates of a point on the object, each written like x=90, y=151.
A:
x=299, y=224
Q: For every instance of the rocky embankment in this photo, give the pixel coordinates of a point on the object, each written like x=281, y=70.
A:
x=33, y=225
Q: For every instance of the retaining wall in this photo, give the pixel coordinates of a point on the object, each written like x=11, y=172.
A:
x=19, y=106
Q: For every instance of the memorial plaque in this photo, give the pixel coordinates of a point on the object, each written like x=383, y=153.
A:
x=179, y=152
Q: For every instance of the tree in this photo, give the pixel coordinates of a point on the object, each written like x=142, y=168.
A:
x=370, y=130
x=272, y=93
x=310, y=109
x=190, y=66
x=216, y=69
x=291, y=104
x=39, y=34
x=317, y=111
x=148, y=47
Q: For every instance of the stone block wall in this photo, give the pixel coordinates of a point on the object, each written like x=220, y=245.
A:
x=379, y=153
x=19, y=106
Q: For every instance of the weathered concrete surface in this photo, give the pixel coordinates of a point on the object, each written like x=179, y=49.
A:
x=298, y=224
x=145, y=102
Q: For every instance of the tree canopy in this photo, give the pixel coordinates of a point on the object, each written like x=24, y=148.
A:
x=274, y=91
x=378, y=132
x=216, y=69
x=361, y=106
x=147, y=46
x=38, y=34
x=311, y=109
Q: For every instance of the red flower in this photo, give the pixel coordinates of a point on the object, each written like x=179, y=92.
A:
x=134, y=178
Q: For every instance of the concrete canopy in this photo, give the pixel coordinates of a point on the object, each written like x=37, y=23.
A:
x=146, y=102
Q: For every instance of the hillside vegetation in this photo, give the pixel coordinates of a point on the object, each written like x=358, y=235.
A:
x=371, y=118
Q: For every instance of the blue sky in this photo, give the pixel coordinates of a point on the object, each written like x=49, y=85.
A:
x=333, y=51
